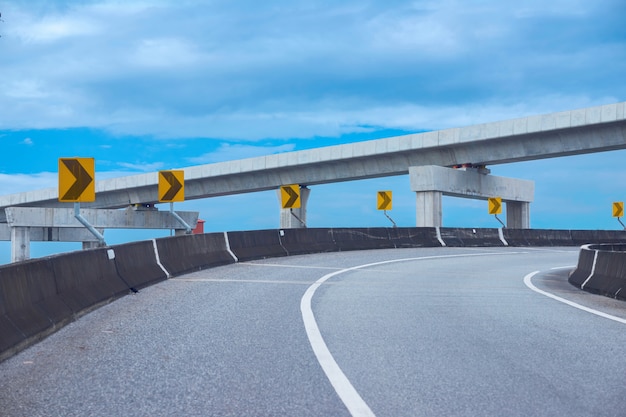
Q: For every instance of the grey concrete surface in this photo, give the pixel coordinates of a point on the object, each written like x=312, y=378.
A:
x=446, y=331
x=430, y=182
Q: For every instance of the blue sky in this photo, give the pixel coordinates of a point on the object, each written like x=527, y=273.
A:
x=149, y=85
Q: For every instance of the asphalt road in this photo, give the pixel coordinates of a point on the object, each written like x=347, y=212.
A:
x=404, y=332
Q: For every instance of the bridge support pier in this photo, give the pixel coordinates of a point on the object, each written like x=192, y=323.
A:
x=20, y=244
x=294, y=218
x=432, y=182
x=428, y=209
x=518, y=214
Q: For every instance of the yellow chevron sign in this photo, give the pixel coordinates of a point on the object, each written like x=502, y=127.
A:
x=383, y=200
x=76, y=180
x=290, y=196
x=171, y=186
x=495, y=205
x=618, y=209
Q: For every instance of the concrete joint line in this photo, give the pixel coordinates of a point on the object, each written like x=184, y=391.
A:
x=228, y=247
x=593, y=270
x=502, y=239
x=158, y=259
x=438, y=230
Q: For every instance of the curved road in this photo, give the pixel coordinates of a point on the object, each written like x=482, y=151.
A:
x=403, y=332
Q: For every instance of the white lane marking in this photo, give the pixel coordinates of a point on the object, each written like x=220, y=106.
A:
x=563, y=267
x=529, y=284
x=291, y=266
x=340, y=382
x=253, y=281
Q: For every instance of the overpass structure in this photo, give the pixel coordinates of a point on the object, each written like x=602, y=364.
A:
x=425, y=155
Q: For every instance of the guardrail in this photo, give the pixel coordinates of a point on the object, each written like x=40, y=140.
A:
x=39, y=296
x=601, y=270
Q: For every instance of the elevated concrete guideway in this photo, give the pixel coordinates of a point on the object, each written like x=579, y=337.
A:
x=588, y=130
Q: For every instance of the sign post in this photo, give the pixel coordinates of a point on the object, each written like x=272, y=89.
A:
x=77, y=185
x=618, y=211
x=495, y=208
x=290, y=198
x=384, y=203
x=171, y=189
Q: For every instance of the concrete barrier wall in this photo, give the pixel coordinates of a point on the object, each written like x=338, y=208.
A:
x=181, y=254
x=303, y=241
x=601, y=270
x=362, y=238
x=39, y=296
x=86, y=278
x=256, y=244
x=137, y=265
x=26, y=291
x=413, y=237
x=471, y=237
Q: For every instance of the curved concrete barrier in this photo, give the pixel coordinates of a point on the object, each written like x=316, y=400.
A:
x=471, y=237
x=39, y=296
x=362, y=238
x=601, y=270
x=303, y=241
x=137, y=264
x=256, y=244
x=186, y=253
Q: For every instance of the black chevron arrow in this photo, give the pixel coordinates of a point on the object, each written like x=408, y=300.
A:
x=175, y=185
x=83, y=179
x=293, y=197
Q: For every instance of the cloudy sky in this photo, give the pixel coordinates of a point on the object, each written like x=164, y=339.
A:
x=148, y=85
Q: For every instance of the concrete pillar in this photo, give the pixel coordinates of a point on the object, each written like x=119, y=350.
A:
x=20, y=244
x=517, y=215
x=428, y=209
x=295, y=218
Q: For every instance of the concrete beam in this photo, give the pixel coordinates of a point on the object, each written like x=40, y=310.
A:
x=470, y=184
x=104, y=219
x=594, y=129
x=52, y=234
x=431, y=182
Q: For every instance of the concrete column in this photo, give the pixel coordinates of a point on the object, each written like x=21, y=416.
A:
x=428, y=209
x=20, y=244
x=517, y=215
x=288, y=218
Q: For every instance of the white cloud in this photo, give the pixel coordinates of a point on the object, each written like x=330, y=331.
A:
x=229, y=152
x=252, y=71
x=142, y=167
x=18, y=183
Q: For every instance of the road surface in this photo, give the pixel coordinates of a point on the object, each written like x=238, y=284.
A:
x=401, y=332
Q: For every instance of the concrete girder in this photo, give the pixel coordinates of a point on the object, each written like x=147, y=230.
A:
x=52, y=234
x=594, y=129
x=431, y=182
x=98, y=218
